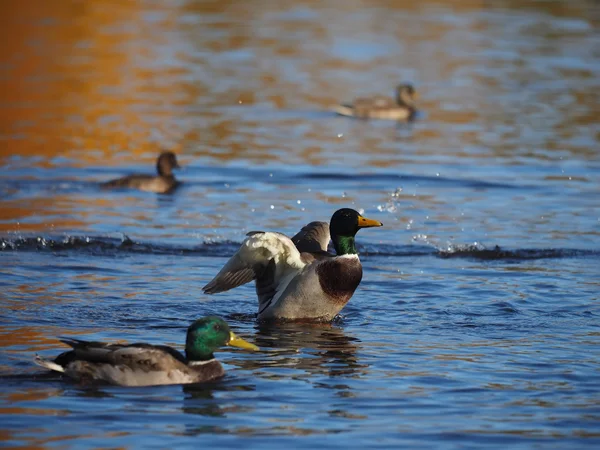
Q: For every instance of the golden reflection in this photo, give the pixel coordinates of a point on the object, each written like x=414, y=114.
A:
x=106, y=83
x=33, y=339
x=32, y=394
x=93, y=78
x=74, y=78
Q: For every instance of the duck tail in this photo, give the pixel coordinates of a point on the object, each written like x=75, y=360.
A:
x=50, y=365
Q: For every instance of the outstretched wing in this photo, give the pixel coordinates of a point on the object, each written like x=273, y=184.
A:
x=269, y=258
x=312, y=238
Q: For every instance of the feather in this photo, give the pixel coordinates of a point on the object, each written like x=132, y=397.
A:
x=253, y=261
x=313, y=237
x=46, y=363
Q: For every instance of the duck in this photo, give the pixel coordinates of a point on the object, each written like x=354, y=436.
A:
x=297, y=279
x=401, y=108
x=163, y=183
x=146, y=364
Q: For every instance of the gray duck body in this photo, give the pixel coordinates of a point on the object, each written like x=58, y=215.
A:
x=130, y=365
x=402, y=107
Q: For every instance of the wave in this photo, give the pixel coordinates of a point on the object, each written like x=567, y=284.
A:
x=108, y=246
x=104, y=246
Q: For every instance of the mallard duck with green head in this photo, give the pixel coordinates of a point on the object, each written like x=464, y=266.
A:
x=297, y=279
x=147, y=364
x=162, y=183
x=402, y=107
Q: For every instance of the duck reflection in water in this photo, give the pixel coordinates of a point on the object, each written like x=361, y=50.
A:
x=321, y=354
x=315, y=348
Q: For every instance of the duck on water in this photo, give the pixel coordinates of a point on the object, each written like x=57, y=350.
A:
x=297, y=279
x=162, y=183
x=146, y=364
x=402, y=107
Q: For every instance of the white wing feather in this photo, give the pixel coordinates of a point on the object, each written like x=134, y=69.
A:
x=260, y=252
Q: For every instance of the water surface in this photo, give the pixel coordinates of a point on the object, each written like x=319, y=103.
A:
x=476, y=323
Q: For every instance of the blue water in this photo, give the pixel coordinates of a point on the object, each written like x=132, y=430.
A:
x=477, y=320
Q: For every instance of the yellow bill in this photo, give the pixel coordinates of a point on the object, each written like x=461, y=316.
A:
x=236, y=341
x=363, y=222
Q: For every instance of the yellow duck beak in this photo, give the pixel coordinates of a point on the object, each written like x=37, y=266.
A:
x=363, y=222
x=236, y=341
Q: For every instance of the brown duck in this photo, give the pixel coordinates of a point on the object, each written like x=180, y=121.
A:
x=162, y=183
x=400, y=108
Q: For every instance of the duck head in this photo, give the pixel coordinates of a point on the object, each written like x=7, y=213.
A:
x=406, y=95
x=166, y=162
x=344, y=225
x=206, y=335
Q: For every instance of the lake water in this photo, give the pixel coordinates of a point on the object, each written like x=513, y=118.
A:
x=477, y=320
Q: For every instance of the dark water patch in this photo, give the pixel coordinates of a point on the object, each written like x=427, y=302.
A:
x=417, y=179
x=476, y=251
x=107, y=246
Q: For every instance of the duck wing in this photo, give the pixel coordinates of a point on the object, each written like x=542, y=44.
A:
x=139, y=356
x=372, y=102
x=312, y=238
x=270, y=258
x=363, y=107
x=130, y=181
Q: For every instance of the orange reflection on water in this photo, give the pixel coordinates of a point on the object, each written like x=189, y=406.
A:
x=73, y=78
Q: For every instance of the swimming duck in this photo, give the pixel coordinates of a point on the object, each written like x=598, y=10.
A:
x=164, y=183
x=146, y=364
x=379, y=107
x=297, y=279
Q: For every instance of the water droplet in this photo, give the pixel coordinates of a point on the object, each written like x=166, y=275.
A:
x=272, y=206
x=298, y=201
x=271, y=175
x=437, y=174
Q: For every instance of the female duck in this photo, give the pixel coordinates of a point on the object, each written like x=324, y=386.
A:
x=146, y=364
x=296, y=278
x=401, y=108
x=164, y=183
